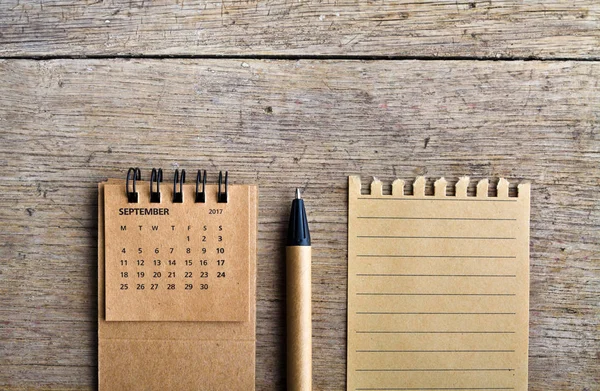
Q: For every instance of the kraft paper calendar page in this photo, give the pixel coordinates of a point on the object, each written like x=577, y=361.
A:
x=438, y=288
x=176, y=288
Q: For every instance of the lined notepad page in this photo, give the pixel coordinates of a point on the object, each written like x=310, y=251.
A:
x=438, y=288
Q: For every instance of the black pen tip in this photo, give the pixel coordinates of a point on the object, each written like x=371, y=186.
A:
x=298, y=234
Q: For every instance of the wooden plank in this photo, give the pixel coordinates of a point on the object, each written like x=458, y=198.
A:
x=67, y=124
x=466, y=28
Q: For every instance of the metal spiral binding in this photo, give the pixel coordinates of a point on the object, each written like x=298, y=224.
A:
x=178, y=195
x=201, y=196
x=222, y=195
x=155, y=177
x=132, y=196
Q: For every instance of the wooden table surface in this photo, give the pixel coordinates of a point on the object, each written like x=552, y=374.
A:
x=290, y=94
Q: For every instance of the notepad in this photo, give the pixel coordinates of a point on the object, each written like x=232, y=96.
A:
x=438, y=287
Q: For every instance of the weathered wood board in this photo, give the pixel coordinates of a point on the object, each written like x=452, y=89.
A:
x=67, y=124
x=466, y=28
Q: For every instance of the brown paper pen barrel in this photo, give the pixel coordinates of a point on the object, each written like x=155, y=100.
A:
x=298, y=293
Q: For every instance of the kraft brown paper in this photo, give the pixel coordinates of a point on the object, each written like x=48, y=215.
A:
x=157, y=248
x=299, y=313
x=160, y=354
x=438, y=288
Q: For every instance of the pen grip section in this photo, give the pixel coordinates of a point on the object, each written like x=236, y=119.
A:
x=299, y=313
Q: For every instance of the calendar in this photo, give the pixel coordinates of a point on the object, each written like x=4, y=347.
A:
x=177, y=253
x=176, y=283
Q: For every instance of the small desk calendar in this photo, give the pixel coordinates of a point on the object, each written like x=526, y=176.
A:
x=177, y=275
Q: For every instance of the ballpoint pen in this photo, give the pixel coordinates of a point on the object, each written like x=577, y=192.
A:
x=298, y=293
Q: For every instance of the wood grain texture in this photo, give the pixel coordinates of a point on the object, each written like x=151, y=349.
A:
x=467, y=28
x=67, y=124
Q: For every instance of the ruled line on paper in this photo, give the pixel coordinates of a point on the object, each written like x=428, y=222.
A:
x=432, y=294
x=432, y=237
x=431, y=332
x=435, y=218
x=437, y=256
x=434, y=389
x=439, y=370
x=437, y=351
x=432, y=313
x=434, y=275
